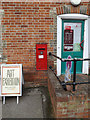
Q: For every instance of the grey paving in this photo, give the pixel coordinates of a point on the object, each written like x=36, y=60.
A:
x=0, y=102
x=0, y=109
x=30, y=106
x=0, y=88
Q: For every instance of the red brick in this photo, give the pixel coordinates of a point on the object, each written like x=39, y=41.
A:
x=62, y=99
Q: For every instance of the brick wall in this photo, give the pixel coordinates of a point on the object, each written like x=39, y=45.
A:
x=67, y=104
x=1, y=31
x=26, y=24
x=73, y=107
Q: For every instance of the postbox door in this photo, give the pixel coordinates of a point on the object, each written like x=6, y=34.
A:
x=41, y=56
x=72, y=36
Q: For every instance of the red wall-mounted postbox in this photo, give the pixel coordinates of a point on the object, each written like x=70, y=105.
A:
x=41, y=56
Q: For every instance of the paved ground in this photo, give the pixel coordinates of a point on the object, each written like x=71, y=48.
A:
x=0, y=102
x=35, y=103
x=29, y=107
x=0, y=109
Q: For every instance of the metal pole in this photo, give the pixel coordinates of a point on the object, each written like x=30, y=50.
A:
x=17, y=99
x=74, y=75
x=3, y=99
x=75, y=83
x=64, y=60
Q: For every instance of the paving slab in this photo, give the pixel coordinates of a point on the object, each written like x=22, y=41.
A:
x=0, y=88
x=0, y=102
x=30, y=106
x=0, y=110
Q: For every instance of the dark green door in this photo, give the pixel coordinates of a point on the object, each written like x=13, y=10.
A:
x=72, y=36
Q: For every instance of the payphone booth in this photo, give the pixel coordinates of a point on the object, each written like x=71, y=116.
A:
x=72, y=42
x=41, y=56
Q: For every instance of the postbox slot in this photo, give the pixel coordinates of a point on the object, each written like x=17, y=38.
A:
x=41, y=48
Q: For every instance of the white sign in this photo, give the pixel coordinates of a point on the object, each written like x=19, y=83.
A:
x=41, y=56
x=11, y=79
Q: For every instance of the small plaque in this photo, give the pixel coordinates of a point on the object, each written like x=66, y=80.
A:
x=68, y=47
x=41, y=56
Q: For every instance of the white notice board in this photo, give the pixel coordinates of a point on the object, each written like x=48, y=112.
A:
x=11, y=80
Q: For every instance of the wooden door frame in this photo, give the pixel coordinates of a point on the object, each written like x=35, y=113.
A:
x=59, y=39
